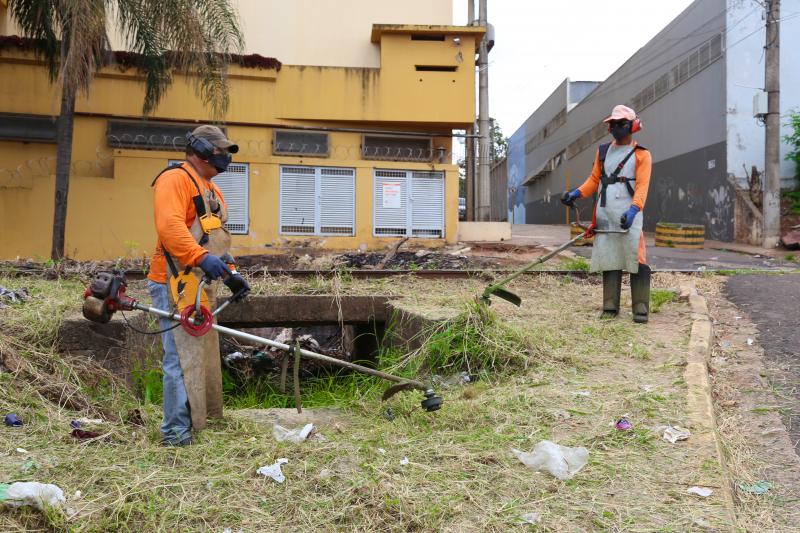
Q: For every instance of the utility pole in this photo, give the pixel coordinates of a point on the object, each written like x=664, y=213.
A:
x=772, y=162
x=484, y=187
x=469, y=145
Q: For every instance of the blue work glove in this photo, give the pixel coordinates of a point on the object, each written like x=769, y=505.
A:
x=569, y=197
x=626, y=220
x=214, y=267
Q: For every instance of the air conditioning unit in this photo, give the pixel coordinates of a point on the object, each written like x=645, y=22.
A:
x=760, y=104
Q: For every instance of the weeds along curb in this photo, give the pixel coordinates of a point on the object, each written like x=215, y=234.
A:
x=699, y=401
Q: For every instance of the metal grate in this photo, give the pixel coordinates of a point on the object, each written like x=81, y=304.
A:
x=297, y=201
x=337, y=201
x=397, y=148
x=408, y=203
x=301, y=142
x=148, y=135
x=27, y=128
x=317, y=201
x=427, y=206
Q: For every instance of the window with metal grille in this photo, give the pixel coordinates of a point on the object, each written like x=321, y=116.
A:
x=234, y=184
x=317, y=200
x=408, y=203
x=27, y=128
x=396, y=148
x=148, y=135
x=300, y=142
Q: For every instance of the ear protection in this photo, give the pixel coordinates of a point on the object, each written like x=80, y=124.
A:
x=202, y=147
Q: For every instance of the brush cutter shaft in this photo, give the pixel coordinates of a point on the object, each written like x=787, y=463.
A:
x=279, y=345
x=491, y=288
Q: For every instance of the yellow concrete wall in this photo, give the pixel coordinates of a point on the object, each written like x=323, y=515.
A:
x=110, y=199
x=396, y=92
x=300, y=32
x=110, y=204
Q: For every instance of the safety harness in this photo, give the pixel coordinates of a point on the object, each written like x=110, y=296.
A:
x=606, y=180
x=202, y=215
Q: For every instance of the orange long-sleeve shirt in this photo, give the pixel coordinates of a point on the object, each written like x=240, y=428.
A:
x=644, y=167
x=174, y=214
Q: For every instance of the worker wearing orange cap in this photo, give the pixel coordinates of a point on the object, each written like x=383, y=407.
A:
x=621, y=178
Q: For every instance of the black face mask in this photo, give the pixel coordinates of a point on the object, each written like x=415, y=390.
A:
x=620, y=130
x=220, y=161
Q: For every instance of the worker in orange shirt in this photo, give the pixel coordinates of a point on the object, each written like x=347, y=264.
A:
x=193, y=243
x=621, y=177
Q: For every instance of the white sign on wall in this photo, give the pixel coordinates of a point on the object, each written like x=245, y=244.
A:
x=391, y=195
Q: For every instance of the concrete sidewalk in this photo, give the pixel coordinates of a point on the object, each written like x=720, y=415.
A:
x=715, y=255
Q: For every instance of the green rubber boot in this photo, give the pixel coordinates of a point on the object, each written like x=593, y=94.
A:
x=640, y=294
x=612, y=285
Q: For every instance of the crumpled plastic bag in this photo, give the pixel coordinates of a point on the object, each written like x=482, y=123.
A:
x=675, y=433
x=39, y=495
x=274, y=470
x=560, y=461
x=703, y=492
x=295, y=436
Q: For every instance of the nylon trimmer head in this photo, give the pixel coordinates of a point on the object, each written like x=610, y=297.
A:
x=501, y=293
x=431, y=403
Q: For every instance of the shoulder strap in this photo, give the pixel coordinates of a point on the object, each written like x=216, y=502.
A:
x=602, y=151
x=199, y=204
x=615, y=174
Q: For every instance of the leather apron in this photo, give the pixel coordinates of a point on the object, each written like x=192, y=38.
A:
x=200, y=356
x=617, y=251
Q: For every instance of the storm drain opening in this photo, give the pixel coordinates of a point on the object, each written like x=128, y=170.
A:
x=366, y=331
x=347, y=328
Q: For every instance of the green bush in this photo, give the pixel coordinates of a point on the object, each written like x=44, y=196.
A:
x=793, y=140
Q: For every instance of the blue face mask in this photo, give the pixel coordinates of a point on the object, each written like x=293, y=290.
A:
x=220, y=161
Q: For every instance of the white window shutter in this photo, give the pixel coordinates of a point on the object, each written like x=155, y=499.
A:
x=390, y=203
x=427, y=204
x=337, y=201
x=297, y=200
x=234, y=184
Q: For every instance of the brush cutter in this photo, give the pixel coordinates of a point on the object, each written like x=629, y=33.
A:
x=497, y=288
x=106, y=295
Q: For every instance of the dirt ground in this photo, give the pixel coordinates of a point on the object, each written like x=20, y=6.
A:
x=753, y=403
x=578, y=375
x=573, y=376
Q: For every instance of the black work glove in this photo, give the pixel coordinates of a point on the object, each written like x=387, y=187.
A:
x=238, y=286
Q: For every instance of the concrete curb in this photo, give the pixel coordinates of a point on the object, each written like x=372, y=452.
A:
x=699, y=401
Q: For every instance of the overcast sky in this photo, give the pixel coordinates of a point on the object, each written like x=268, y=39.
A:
x=538, y=43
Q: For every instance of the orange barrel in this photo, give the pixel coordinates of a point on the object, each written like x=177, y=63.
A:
x=574, y=231
x=674, y=235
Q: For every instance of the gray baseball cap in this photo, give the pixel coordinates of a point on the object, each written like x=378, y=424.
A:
x=216, y=137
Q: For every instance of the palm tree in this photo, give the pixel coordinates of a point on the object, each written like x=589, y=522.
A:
x=192, y=36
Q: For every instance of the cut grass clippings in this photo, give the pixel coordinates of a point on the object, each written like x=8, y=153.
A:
x=553, y=371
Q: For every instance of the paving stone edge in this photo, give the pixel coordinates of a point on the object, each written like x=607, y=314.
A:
x=699, y=400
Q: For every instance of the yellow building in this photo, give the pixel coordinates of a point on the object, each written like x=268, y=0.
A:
x=345, y=140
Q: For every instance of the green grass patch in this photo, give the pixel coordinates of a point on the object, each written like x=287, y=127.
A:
x=659, y=297
x=473, y=340
x=577, y=263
